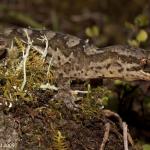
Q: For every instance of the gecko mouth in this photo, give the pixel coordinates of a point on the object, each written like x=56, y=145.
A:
x=138, y=75
x=143, y=75
x=147, y=69
x=146, y=66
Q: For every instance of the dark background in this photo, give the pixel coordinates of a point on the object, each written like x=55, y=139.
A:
x=106, y=22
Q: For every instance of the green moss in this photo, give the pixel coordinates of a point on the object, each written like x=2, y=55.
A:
x=133, y=43
x=93, y=31
x=59, y=141
x=96, y=99
x=142, y=36
x=12, y=74
x=141, y=20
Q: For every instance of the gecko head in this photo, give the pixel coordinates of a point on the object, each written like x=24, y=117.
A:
x=127, y=63
x=138, y=70
x=144, y=72
x=135, y=63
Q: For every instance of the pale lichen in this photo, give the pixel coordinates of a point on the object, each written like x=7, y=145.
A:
x=25, y=70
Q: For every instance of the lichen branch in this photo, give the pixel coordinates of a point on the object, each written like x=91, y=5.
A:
x=25, y=56
x=43, y=39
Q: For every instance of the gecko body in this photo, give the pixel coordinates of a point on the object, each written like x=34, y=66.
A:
x=76, y=58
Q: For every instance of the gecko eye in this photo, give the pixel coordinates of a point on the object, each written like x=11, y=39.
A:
x=143, y=61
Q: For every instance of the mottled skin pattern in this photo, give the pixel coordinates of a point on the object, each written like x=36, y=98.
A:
x=76, y=58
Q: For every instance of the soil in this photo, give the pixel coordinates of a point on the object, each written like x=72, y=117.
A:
x=47, y=124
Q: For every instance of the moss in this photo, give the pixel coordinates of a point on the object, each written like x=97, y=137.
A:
x=12, y=73
x=59, y=141
x=142, y=20
x=142, y=36
x=96, y=99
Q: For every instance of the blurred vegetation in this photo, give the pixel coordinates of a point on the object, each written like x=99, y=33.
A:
x=105, y=22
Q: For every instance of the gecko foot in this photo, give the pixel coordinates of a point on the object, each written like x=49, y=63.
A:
x=68, y=99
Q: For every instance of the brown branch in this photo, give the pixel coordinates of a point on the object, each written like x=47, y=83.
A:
x=106, y=135
x=130, y=139
x=109, y=114
x=125, y=135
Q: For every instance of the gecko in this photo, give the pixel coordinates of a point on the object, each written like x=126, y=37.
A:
x=74, y=58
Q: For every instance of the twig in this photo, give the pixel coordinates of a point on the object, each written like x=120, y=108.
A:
x=39, y=49
x=25, y=55
x=109, y=113
x=49, y=65
x=75, y=92
x=106, y=135
x=11, y=46
x=46, y=46
x=125, y=135
x=130, y=139
x=48, y=86
x=44, y=39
